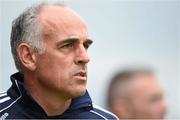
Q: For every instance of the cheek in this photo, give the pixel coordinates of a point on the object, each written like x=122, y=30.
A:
x=55, y=64
x=56, y=67
x=60, y=74
x=52, y=68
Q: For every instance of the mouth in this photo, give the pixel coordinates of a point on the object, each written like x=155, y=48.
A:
x=82, y=75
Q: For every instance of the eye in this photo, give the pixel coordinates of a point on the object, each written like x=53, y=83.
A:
x=68, y=45
x=156, y=98
x=86, y=46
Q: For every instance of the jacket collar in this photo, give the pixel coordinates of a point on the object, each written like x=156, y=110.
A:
x=19, y=90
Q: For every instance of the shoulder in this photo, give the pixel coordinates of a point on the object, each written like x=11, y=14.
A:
x=104, y=114
x=4, y=101
x=7, y=106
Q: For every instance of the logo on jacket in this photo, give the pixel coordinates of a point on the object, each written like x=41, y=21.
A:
x=3, y=117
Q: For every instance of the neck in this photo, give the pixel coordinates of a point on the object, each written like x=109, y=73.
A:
x=52, y=106
x=51, y=102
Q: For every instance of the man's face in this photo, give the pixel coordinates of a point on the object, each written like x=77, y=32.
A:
x=147, y=99
x=62, y=68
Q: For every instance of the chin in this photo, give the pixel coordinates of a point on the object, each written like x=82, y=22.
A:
x=78, y=92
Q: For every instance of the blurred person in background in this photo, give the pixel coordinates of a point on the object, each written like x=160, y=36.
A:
x=136, y=93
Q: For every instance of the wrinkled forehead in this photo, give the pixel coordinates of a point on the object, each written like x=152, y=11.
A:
x=62, y=19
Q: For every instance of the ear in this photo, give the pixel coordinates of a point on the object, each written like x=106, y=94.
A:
x=27, y=56
x=116, y=107
x=120, y=109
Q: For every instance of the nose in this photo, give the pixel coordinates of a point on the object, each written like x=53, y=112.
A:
x=81, y=56
x=164, y=106
x=162, y=109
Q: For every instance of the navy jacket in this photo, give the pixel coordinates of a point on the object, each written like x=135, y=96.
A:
x=17, y=103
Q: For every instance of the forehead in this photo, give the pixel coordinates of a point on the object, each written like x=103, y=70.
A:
x=145, y=80
x=147, y=85
x=62, y=20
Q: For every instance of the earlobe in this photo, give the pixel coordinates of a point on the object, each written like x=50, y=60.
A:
x=27, y=56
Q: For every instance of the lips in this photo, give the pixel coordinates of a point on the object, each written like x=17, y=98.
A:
x=82, y=75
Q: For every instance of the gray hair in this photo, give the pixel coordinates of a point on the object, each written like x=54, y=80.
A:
x=26, y=29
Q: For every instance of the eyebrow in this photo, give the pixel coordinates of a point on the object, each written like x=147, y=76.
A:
x=73, y=40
